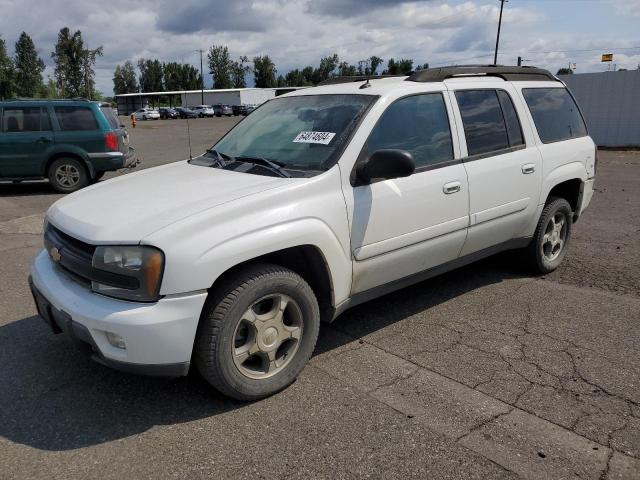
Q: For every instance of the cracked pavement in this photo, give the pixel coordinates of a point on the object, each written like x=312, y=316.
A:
x=485, y=372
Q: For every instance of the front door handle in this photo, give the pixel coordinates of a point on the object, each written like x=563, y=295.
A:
x=45, y=140
x=528, y=168
x=451, y=187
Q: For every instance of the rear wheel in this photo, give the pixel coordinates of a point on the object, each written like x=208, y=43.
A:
x=257, y=332
x=552, y=236
x=67, y=175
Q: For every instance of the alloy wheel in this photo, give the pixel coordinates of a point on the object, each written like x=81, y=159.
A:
x=67, y=175
x=267, y=336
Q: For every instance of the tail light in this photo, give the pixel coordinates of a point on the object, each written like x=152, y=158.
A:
x=111, y=141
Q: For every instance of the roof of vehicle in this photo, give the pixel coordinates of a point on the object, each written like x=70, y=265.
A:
x=381, y=85
x=69, y=101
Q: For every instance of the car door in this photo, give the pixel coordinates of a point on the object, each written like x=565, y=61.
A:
x=502, y=162
x=26, y=136
x=403, y=226
x=79, y=128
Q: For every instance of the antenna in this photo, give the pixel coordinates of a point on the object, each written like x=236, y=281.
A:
x=189, y=138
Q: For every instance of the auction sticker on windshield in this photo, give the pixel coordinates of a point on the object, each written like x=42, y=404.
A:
x=323, y=138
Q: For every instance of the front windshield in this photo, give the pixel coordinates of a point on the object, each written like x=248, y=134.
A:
x=301, y=132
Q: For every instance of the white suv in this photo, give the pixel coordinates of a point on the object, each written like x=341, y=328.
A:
x=321, y=199
x=204, y=111
x=146, y=114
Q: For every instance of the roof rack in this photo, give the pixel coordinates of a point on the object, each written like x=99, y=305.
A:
x=525, y=73
x=355, y=78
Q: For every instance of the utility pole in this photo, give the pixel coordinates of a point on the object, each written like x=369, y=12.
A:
x=495, y=57
x=201, y=79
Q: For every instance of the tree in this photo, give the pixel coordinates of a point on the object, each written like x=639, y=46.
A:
x=74, y=65
x=28, y=67
x=565, y=71
x=264, y=71
x=150, y=75
x=402, y=67
x=239, y=70
x=180, y=76
x=6, y=73
x=369, y=66
x=190, y=77
x=220, y=66
x=326, y=68
x=49, y=89
x=346, y=70
x=124, y=79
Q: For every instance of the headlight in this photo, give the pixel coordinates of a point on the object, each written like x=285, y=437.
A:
x=128, y=272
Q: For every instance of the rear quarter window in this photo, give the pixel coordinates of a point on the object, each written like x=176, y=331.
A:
x=111, y=117
x=555, y=114
x=76, y=118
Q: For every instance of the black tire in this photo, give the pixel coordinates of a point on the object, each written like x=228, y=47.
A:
x=144, y=117
x=76, y=179
x=540, y=257
x=222, y=315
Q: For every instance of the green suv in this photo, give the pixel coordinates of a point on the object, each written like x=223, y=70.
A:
x=70, y=142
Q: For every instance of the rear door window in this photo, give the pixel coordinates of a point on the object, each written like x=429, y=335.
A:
x=76, y=118
x=418, y=124
x=555, y=114
x=25, y=119
x=483, y=121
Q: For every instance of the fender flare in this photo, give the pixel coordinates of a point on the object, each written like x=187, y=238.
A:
x=253, y=244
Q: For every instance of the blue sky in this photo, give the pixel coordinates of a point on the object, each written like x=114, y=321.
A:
x=296, y=33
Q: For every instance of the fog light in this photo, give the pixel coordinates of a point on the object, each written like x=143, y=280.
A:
x=116, y=340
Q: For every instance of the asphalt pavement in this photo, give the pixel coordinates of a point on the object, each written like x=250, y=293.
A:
x=485, y=372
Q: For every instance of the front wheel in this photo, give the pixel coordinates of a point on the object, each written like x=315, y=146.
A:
x=551, y=238
x=257, y=332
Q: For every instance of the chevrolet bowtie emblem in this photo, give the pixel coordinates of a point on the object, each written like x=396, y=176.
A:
x=55, y=254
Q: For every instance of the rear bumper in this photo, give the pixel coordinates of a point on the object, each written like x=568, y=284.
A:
x=158, y=336
x=108, y=161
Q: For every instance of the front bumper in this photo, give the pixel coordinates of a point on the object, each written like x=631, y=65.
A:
x=158, y=336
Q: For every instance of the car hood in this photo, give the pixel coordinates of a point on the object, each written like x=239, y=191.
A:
x=130, y=207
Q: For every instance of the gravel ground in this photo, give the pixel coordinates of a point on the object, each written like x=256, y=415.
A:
x=484, y=372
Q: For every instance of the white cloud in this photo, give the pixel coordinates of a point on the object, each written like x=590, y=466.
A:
x=296, y=33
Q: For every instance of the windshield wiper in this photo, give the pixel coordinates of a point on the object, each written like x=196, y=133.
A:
x=270, y=164
x=220, y=160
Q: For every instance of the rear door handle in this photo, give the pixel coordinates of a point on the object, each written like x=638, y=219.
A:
x=451, y=187
x=528, y=168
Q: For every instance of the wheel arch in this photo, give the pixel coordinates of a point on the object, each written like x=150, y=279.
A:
x=65, y=154
x=307, y=261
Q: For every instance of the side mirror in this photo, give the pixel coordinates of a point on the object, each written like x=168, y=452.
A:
x=385, y=165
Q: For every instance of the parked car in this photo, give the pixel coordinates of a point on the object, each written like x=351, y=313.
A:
x=243, y=109
x=221, y=110
x=166, y=113
x=318, y=201
x=204, y=111
x=147, y=114
x=69, y=142
x=184, y=112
